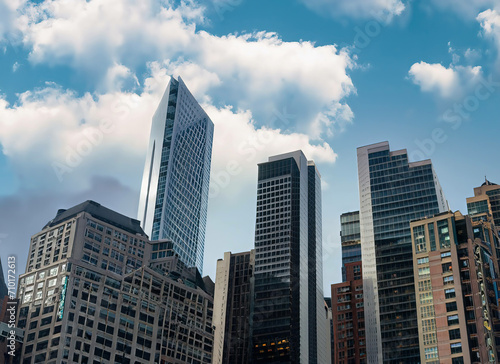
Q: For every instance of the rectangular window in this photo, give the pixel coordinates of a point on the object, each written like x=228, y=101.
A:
x=452, y=320
x=448, y=280
x=454, y=334
x=432, y=237
x=419, y=239
x=451, y=306
x=443, y=234
x=456, y=348
x=449, y=293
x=423, y=260
x=447, y=268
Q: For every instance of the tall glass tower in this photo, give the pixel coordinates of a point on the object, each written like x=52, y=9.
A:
x=290, y=322
x=174, y=194
x=393, y=192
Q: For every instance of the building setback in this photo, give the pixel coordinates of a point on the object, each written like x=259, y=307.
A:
x=232, y=308
x=92, y=294
x=393, y=192
x=290, y=319
x=456, y=289
x=174, y=194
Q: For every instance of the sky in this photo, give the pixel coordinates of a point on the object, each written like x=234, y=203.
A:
x=81, y=79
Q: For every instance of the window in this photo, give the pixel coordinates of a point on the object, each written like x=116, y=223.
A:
x=452, y=320
x=449, y=293
x=448, y=280
x=454, y=334
x=423, y=260
x=424, y=272
x=456, y=348
x=419, y=239
x=445, y=255
x=451, y=306
x=447, y=268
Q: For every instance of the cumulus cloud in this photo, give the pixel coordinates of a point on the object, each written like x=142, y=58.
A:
x=447, y=83
x=9, y=18
x=380, y=9
x=75, y=137
x=109, y=40
x=490, y=23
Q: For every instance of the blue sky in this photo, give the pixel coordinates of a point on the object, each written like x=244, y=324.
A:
x=80, y=81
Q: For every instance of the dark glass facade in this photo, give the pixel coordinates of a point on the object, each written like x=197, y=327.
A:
x=289, y=319
x=399, y=192
x=350, y=237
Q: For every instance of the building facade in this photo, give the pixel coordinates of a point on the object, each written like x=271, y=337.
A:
x=485, y=203
x=350, y=239
x=456, y=289
x=232, y=308
x=174, y=193
x=348, y=317
x=290, y=320
x=393, y=192
x=92, y=294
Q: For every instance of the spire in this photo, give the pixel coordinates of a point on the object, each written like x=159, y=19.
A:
x=488, y=183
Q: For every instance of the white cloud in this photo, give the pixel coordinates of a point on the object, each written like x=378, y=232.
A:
x=8, y=18
x=15, y=66
x=108, y=40
x=379, y=9
x=448, y=83
x=490, y=23
x=465, y=8
x=77, y=137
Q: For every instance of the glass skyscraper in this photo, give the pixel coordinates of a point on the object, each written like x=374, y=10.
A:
x=393, y=192
x=350, y=239
x=174, y=194
x=290, y=321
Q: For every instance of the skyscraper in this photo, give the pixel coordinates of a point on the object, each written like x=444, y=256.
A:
x=456, y=289
x=393, y=192
x=174, y=194
x=232, y=308
x=486, y=201
x=350, y=239
x=96, y=290
x=290, y=319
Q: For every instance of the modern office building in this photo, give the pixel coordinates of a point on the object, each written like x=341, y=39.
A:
x=290, y=320
x=348, y=317
x=93, y=294
x=486, y=202
x=393, y=191
x=232, y=308
x=174, y=194
x=350, y=239
x=328, y=302
x=456, y=289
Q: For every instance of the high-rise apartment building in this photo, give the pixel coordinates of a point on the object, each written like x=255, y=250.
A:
x=93, y=294
x=456, y=289
x=290, y=319
x=232, y=308
x=393, y=191
x=174, y=194
x=350, y=239
x=486, y=202
x=348, y=317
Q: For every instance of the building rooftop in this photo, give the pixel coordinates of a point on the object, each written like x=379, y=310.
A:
x=488, y=183
x=101, y=213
